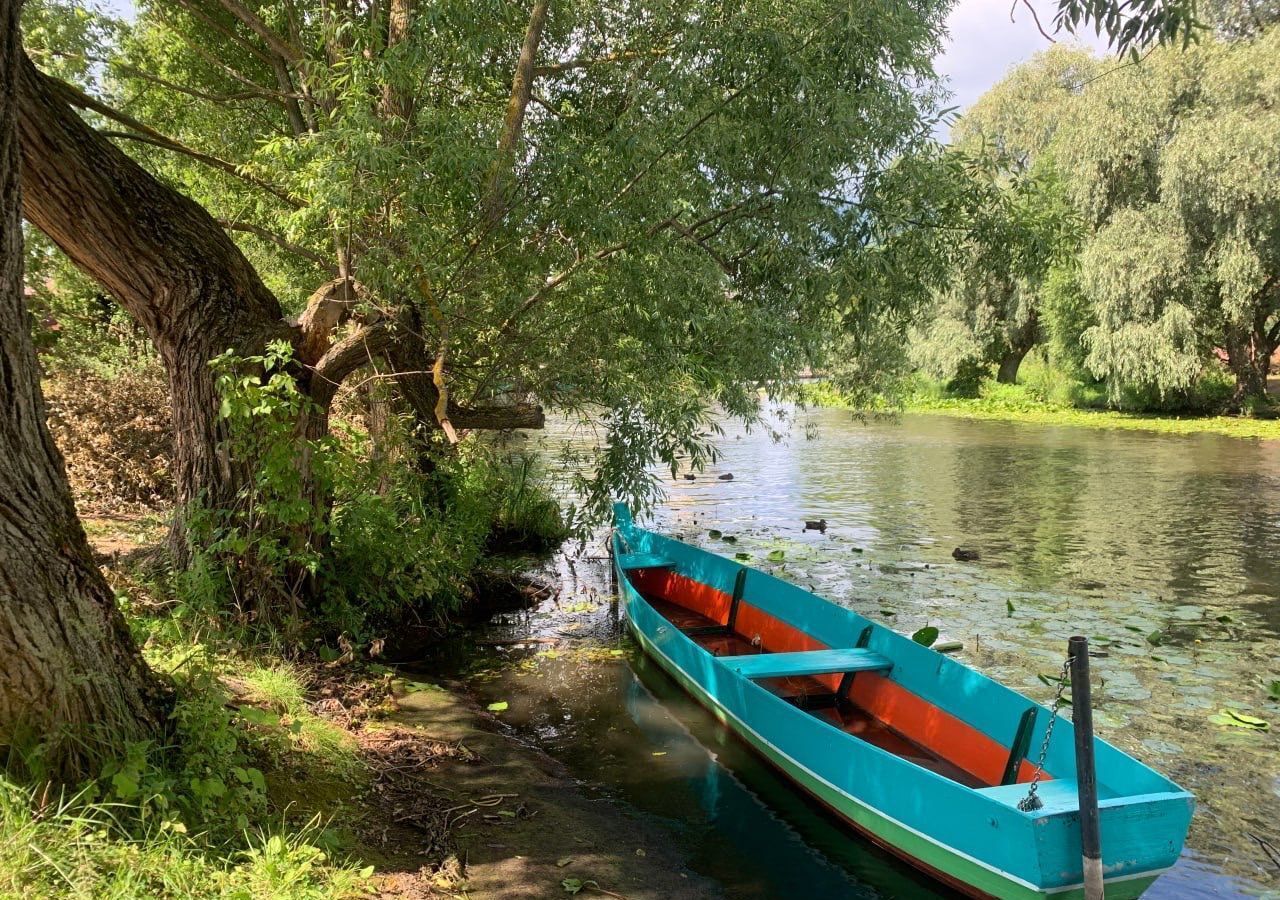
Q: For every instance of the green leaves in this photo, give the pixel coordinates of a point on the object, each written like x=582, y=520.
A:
x=1233, y=718
x=499, y=706
x=926, y=636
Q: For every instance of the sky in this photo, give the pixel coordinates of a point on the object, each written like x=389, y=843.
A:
x=984, y=44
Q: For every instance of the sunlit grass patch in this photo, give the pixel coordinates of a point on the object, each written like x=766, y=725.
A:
x=279, y=687
x=1230, y=426
x=64, y=847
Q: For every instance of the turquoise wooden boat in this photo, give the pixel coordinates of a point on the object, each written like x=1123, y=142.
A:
x=916, y=751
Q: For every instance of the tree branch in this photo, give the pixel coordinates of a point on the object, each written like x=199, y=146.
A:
x=521, y=88
x=219, y=28
x=254, y=93
x=413, y=373
x=356, y=350
x=281, y=242
x=75, y=97
x=278, y=45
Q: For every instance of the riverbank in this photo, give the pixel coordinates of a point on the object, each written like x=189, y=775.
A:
x=1045, y=414
x=1015, y=404
x=444, y=802
x=319, y=774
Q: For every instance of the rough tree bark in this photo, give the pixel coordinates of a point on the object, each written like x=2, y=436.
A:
x=163, y=257
x=71, y=676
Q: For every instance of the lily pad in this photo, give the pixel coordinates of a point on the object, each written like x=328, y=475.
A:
x=715, y=534
x=776, y=556
x=1236, y=719
x=926, y=636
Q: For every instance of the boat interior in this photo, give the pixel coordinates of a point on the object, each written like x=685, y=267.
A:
x=848, y=688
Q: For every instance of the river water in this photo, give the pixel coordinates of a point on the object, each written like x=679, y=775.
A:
x=1163, y=550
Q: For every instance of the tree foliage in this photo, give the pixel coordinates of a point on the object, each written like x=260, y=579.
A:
x=1175, y=164
x=990, y=307
x=649, y=213
x=1153, y=183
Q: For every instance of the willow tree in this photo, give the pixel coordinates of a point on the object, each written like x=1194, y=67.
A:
x=634, y=210
x=71, y=679
x=1175, y=164
x=990, y=309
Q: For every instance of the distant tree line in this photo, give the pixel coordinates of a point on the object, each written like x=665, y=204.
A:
x=1129, y=225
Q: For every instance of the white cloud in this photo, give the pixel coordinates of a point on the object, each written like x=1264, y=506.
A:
x=983, y=44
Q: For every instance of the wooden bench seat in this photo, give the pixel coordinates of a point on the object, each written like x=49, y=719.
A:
x=807, y=662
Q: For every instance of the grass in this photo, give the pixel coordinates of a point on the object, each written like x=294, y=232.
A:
x=238, y=807
x=1020, y=403
x=1044, y=414
x=277, y=686
x=300, y=737
x=262, y=787
x=74, y=849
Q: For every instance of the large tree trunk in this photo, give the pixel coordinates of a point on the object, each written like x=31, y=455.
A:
x=1009, y=365
x=71, y=677
x=1020, y=341
x=1249, y=358
x=163, y=257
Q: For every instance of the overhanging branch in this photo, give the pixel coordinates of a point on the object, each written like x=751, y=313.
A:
x=356, y=350
x=282, y=242
x=513, y=123
x=75, y=97
x=277, y=44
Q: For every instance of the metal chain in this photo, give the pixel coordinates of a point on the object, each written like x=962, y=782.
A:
x=1031, y=802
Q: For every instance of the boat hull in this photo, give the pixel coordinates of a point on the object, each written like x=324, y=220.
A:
x=965, y=831
x=951, y=869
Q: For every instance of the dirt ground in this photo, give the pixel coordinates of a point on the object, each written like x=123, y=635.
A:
x=523, y=829
x=454, y=807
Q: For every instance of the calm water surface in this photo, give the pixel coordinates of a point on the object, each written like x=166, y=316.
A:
x=1164, y=550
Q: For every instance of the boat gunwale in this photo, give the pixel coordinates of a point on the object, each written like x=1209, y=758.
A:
x=719, y=710
x=692, y=680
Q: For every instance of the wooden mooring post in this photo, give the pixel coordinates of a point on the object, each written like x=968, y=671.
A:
x=1086, y=773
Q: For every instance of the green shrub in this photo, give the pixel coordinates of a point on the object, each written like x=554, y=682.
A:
x=527, y=518
x=1209, y=393
x=207, y=779
x=968, y=379
x=410, y=545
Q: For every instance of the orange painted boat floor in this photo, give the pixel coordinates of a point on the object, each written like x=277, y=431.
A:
x=804, y=691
